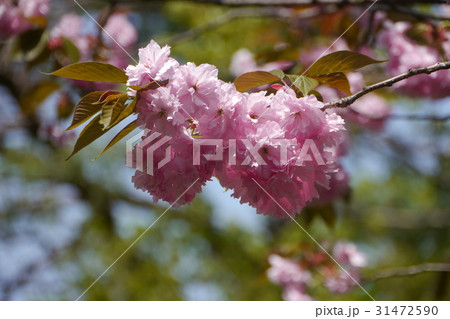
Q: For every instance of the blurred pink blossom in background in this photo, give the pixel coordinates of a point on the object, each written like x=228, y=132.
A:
x=16, y=19
x=291, y=276
x=70, y=27
x=34, y=8
x=352, y=260
x=119, y=37
x=243, y=61
x=295, y=279
x=404, y=54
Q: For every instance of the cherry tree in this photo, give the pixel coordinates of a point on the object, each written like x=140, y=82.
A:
x=274, y=122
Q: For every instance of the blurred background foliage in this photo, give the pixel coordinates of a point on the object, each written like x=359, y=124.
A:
x=62, y=223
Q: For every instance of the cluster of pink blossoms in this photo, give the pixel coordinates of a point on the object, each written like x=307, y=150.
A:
x=17, y=18
x=193, y=106
x=405, y=54
x=295, y=279
x=352, y=260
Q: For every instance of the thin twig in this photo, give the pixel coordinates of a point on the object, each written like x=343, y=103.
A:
x=304, y=2
x=229, y=16
x=421, y=16
x=412, y=117
x=418, y=117
x=346, y=101
x=101, y=22
x=412, y=270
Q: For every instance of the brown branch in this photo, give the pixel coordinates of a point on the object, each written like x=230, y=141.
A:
x=412, y=117
x=271, y=12
x=307, y=2
x=412, y=270
x=102, y=21
x=421, y=16
x=418, y=117
x=346, y=101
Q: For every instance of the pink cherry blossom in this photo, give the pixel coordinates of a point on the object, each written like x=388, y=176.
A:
x=369, y=111
x=338, y=186
x=295, y=293
x=296, y=280
x=291, y=276
x=154, y=64
x=34, y=8
x=14, y=19
x=11, y=22
x=285, y=271
x=243, y=61
x=197, y=87
x=179, y=181
x=196, y=104
x=352, y=260
x=160, y=109
x=348, y=254
x=283, y=185
x=70, y=26
x=404, y=54
x=217, y=120
x=340, y=282
x=119, y=36
x=119, y=31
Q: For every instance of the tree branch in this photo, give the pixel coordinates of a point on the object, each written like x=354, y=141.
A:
x=417, y=117
x=346, y=101
x=412, y=270
x=308, y=2
x=421, y=16
x=271, y=12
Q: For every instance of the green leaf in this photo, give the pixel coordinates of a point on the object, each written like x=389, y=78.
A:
x=340, y=61
x=328, y=214
x=127, y=111
x=317, y=95
x=111, y=110
x=252, y=80
x=337, y=80
x=303, y=83
x=39, y=53
x=92, y=71
x=90, y=133
x=37, y=95
x=86, y=108
x=278, y=73
x=111, y=96
x=124, y=132
x=96, y=129
x=71, y=50
x=151, y=86
x=30, y=39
